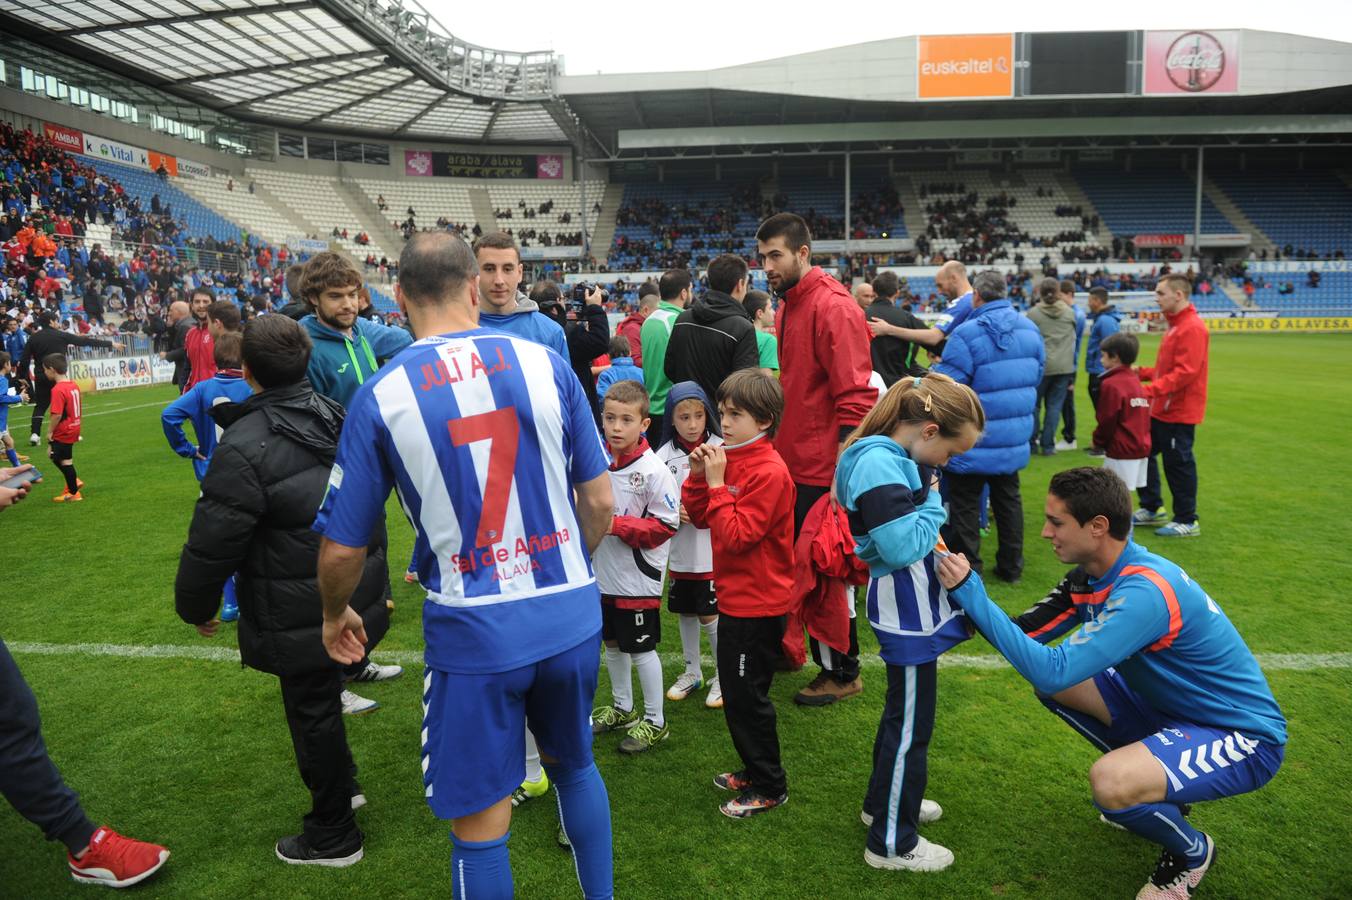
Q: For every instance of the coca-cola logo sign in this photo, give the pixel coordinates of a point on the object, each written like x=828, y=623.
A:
x=1191, y=62
x=1196, y=62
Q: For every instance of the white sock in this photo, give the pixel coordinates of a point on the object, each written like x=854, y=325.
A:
x=534, y=771
x=690, y=644
x=621, y=678
x=650, y=678
x=711, y=631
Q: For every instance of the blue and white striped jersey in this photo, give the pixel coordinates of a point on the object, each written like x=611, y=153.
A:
x=483, y=435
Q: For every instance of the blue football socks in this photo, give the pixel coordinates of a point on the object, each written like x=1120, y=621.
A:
x=1162, y=823
x=13, y=457
x=584, y=811
x=481, y=870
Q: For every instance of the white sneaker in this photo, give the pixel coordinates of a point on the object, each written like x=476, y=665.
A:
x=1174, y=879
x=1066, y=445
x=685, y=685
x=929, y=812
x=34, y=440
x=374, y=672
x=924, y=857
x=354, y=705
x=714, y=700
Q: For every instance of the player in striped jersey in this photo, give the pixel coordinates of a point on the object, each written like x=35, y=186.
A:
x=887, y=482
x=485, y=436
x=1156, y=676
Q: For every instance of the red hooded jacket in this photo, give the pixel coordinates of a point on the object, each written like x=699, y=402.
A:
x=1177, y=381
x=1123, y=416
x=201, y=350
x=824, y=581
x=631, y=327
x=824, y=349
x=750, y=519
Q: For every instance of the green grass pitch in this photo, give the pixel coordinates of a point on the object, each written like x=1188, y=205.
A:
x=194, y=753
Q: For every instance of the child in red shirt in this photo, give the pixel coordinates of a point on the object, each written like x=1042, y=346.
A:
x=65, y=418
x=1123, y=431
x=743, y=493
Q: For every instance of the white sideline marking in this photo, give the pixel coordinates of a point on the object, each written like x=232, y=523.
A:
x=1272, y=662
x=104, y=412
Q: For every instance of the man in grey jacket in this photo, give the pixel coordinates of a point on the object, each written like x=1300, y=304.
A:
x=1056, y=321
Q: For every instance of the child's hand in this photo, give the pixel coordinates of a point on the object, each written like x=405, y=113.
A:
x=952, y=569
x=697, y=459
x=715, y=465
x=684, y=515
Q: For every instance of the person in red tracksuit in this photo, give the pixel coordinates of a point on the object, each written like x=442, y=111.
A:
x=825, y=368
x=1176, y=386
x=743, y=493
x=1123, y=432
x=198, y=343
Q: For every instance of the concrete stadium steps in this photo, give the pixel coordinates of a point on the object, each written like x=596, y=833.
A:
x=913, y=211
x=1229, y=209
x=603, y=224
x=250, y=210
x=371, y=220
x=317, y=201
x=482, y=205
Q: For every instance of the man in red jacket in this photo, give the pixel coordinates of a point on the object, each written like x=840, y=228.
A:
x=198, y=343
x=826, y=364
x=1176, y=386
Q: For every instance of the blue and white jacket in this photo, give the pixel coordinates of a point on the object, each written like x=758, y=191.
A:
x=895, y=519
x=999, y=353
x=195, y=405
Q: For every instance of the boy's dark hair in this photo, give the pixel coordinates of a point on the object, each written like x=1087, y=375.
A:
x=646, y=288
x=544, y=291
x=276, y=350
x=1067, y=286
x=493, y=240
x=629, y=392
x=56, y=362
x=725, y=271
x=756, y=394
x=4, y=359
x=228, y=350
x=790, y=227
x=1099, y=292
x=225, y=312
x=754, y=302
x=887, y=285
x=619, y=346
x=1089, y=492
x=1123, y=346
x=672, y=282
x=327, y=270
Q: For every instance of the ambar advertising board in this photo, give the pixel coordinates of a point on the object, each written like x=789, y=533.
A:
x=65, y=138
x=964, y=66
x=425, y=163
x=1191, y=62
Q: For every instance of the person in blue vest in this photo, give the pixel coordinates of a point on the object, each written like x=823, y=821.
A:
x=999, y=354
x=1155, y=676
x=1103, y=321
x=195, y=406
x=1067, y=442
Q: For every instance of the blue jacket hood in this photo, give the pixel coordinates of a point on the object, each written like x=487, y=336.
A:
x=686, y=390
x=848, y=459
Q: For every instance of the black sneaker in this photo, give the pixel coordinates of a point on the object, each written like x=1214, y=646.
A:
x=297, y=851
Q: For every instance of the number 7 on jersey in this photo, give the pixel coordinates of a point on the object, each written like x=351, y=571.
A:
x=502, y=430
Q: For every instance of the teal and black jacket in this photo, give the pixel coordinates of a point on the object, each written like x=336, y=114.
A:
x=339, y=364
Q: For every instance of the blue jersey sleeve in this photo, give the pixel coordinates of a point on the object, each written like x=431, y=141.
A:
x=385, y=340
x=1134, y=616
x=172, y=419
x=361, y=479
x=955, y=315
x=883, y=490
x=585, y=450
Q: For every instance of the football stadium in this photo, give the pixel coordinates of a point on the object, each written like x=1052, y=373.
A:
x=414, y=445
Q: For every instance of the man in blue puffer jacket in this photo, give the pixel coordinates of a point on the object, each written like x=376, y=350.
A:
x=999, y=353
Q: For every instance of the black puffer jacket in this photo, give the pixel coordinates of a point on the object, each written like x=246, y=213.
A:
x=265, y=483
x=711, y=340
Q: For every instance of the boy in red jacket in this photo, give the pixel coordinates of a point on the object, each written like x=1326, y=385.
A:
x=1123, y=432
x=743, y=494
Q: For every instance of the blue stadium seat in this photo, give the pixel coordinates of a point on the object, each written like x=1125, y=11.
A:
x=1310, y=211
x=1149, y=201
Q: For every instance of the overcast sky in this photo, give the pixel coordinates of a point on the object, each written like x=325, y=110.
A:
x=665, y=36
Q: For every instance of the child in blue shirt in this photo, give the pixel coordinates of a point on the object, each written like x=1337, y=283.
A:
x=621, y=368
x=887, y=481
x=8, y=398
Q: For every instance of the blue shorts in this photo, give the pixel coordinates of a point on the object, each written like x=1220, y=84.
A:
x=1199, y=761
x=473, y=737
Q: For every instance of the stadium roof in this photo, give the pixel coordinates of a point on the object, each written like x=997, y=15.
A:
x=362, y=66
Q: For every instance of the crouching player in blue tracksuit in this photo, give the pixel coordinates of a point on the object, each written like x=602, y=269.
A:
x=1156, y=677
x=227, y=386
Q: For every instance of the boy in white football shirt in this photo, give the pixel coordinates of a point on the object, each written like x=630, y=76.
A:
x=690, y=592
x=629, y=564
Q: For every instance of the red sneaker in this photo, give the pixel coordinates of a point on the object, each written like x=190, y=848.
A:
x=116, y=861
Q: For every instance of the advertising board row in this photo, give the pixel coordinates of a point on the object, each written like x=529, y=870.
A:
x=981, y=66
x=87, y=144
x=111, y=373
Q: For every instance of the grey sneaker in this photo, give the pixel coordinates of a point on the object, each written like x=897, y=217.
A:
x=1146, y=517
x=1178, y=529
x=643, y=736
x=612, y=718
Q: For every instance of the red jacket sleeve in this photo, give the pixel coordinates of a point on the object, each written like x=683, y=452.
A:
x=640, y=532
x=1188, y=358
x=740, y=522
x=695, y=496
x=843, y=351
x=1109, y=416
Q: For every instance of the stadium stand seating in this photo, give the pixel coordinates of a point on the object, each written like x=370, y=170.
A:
x=238, y=205
x=199, y=219
x=651, y=213
x=564, y=199
x=318, y=198
x=1149, y=201
x=1333, y=296
x=1307, y=211
x=429, y=198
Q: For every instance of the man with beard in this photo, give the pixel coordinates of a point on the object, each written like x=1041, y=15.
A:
x=348, y=349
x=824, y=355
x=951, y=280
x=198, y=347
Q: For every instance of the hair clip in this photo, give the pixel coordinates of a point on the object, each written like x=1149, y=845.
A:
x=917, y=380
x=928, y=400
